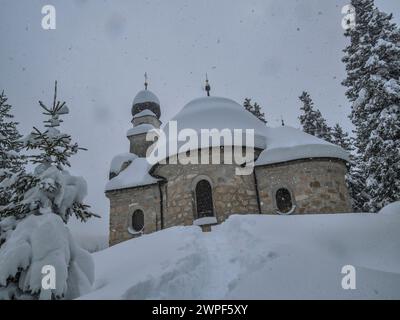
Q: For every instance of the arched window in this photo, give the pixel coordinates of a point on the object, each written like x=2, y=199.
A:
x=284, y=200
x=137, y=220
x=204, y=201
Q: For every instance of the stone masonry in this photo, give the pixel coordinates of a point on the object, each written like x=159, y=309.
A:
x=124, y=202
x=231, y=193
x=316, y=185
x=313, y=185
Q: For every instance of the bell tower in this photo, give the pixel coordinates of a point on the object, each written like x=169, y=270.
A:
x=146, y=115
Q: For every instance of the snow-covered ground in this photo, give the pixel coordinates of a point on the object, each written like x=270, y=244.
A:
x=257, y=257
x=91, y=242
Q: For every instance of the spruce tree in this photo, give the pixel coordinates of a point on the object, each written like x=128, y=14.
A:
x=354, y=181
x=11, y=160
x=254, y=109
x=341, y=138
x=323, y=130
x=33, y=230
x=247, y=104
x=373, y=87
x=308, y=116
x=354, y=175
x=33, y=192
x=312, y=120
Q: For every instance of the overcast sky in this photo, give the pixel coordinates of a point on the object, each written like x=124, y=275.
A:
x=268, y=50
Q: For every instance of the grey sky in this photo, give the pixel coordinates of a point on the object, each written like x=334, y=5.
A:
x=269, y=50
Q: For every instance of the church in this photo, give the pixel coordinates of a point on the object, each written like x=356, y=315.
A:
x=293, y=173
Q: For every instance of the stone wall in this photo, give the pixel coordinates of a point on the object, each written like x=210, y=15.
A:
x=316, y=186
x=146, y=120
x=124, y=202
x=231, y=193
x=139, y=145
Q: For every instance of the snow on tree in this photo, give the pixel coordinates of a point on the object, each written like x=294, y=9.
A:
x=373, y=87
x=38, y=241
x=11, y=160
x=312, y=120
x=255, y=109
x=323, y=130
x=354, y=175
x=33, y=227
x=383, y=164
x=308, y=118
x=354, y=181
x=341, y=138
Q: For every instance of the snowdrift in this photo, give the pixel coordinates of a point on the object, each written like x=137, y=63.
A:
x=257, y=257
x=393, y=208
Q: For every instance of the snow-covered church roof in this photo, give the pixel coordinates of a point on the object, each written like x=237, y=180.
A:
x=214, y=113
x=217, y=113
x=145, y=96
x=119, y=160
x=135, y=175
x=145, y=113
x=287, y=143
x=279, y=144
x=140, y=129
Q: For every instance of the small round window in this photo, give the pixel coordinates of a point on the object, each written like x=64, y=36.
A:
x=138, y=220
x=284, y=200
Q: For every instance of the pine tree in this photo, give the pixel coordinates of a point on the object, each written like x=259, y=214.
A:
x=247, y=104
x=40, y=190
x=33, y=231
x=341, y=138
x=373, y=88
x=312, y=120
x=354, y=179
x=254, y=109
x=323, y=130
x=308, y=118
x=354, y=175
x=11, y=160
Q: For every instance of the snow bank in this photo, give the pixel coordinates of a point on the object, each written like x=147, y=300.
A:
x=257, y=256
x=393, y=208
x=91, y=242
x=287, y=143
x=44, y=240
x=136, y=174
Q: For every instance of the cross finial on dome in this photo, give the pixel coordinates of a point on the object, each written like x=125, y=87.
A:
x=207, y=87
x=145, y=81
